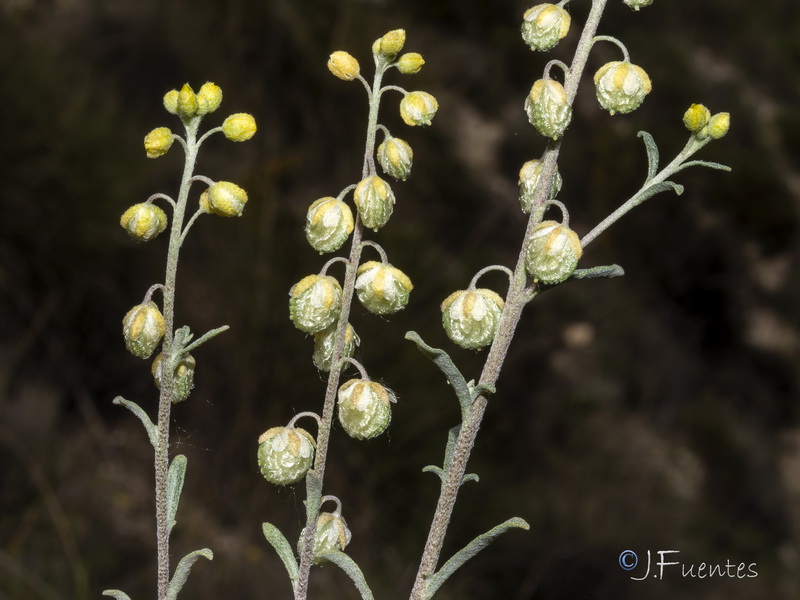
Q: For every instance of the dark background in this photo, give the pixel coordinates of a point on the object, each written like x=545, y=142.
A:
x=651, y=412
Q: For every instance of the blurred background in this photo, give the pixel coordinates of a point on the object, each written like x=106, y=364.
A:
x=657, y=411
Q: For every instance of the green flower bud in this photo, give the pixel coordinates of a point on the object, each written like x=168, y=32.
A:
x=239, y=127
x=158, y=142
x=528, y=180
x=183, y=381
x=390, y=44
x=374, y=200
x=621, y=86
x=343, y=65
x=225, y=199
x=187, y=102
x=381, y=288
x=329, y=222
x=718, y=125
x=637, y=4
x=395, y=157
x=323, y=346
x=418, y=108
x=143, y=327
x=365, y=408
x=208, y=98
x=470, y=317
x=544, y=26
x=696, y=118
x=144, y=221
x=552, y=252
x=171, y=101
x=548, y=109
x=285, y=454
x=332, y=535
x=314, y=303
x=410, y=63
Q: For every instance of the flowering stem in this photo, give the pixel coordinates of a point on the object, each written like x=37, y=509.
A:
x=167, y=378
x=348, y=288
x=515, y=302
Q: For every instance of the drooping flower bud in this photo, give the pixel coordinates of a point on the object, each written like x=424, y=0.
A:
x=395, y=157
x=548, y=109
x=390, y=44
x=529, y=176
x=208, y=98
x=324, y=342
x=239, y=127
x=143, y=327
x=418, y=108
x=343, y=65
x=718, y=125
x=621, y=86
x=183, y=380
x=285, y=454
x=187, y=102
x=382, y=288
x=314, y=303
x=158, y=142
x=332, y=535
x=410, y=63
x=364, y=408
x=696, y=118
x=552, y=252
x=470, y=317
x=329, y=222
x=171, y=101
x=374, y=200
x=225, y=199
x=545, y=25
x=637, y=4
x=144, y=221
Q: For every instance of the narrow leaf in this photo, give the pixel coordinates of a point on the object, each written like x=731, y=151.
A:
x=446, y=365
x=705, y=163
x=182, y=571
x=448, y=453
x=175, y=475
x=349, y=566
x=652, y=154
x=470, y=550
x=663, y=186
x=435, y=470
x=278, y=541
x=152, y=431
x=116, y=594
x=595, y=272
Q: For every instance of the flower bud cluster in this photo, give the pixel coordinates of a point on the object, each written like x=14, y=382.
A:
x=621, y=86
x=545, y=25
x=703, y=125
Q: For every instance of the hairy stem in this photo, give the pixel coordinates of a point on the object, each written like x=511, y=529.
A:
x=348, y=289
x=515, y=302
x=167, y=378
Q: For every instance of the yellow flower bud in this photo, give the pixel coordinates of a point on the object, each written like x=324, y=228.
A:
x=418, y=108
x=285, y=454
x=226, y=199
x=171, y=101
x=696, y=118
x=621, y=86
x=143, y=327
x=471, y=317
x=374, y=200
x=239, y=127
x=548, y=109
x=329, y=223
x=187, y=102
x=552, y=252
x=208, y=98
x=314, y=303
x=395, y=157
x=637, y=4
x=332, y=535
x=323, y=346
x=410, y=63
x=529, y=180
x=718, y=125
x=545, y=25
x=390, y=44
x=144, y=221
x=158, y=142
x=183, y=380
x=365, y=408
x=382, y=288
x=343, y=65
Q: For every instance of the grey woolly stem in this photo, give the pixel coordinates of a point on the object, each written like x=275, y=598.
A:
x=306, y=549
x=516, y=300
